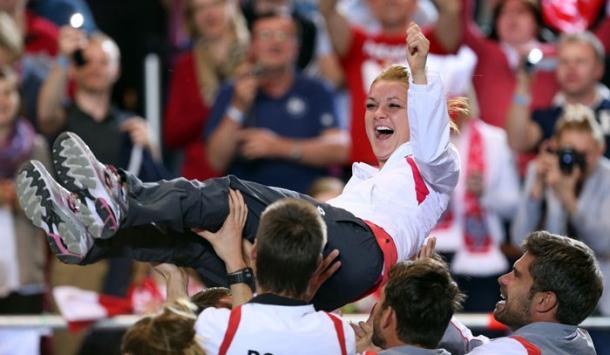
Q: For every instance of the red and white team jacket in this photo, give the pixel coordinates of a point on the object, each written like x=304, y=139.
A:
x=273, y=325
x=410, y=193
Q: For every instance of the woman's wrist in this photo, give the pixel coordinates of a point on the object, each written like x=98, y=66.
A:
x=419, y=77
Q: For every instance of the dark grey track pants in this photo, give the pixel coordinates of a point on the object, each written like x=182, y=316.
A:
x=160, y=216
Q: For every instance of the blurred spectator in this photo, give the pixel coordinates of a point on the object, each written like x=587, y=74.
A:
x=515, y=31
x=315, y=54
x=580, y=67
x=60, y=11
x=92, y=115
x=23, y=252
x=415, y=309
x=272, y=125
x=472, y=229
x=11, y=41
x=40, y=34
x=39, y=38
x=139, y=29
x=220, y=42
x=359, y=14
x=364, y=54
x=326, y=188
x=567, y=190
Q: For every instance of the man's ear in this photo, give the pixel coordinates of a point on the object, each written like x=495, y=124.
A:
x=545, y=302
x=388, y=317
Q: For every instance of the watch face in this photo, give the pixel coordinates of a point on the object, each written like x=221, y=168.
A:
x=245, y=276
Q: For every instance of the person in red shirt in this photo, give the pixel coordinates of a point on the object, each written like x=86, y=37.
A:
x=516, y=31
x=364, y=54
x=220, y=39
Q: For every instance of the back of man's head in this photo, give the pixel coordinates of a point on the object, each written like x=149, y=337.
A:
x=424, y=297
x=568, y=268
x=289, y=244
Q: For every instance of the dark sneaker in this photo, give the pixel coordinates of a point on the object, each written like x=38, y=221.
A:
x=54, y=209
x=97, y=185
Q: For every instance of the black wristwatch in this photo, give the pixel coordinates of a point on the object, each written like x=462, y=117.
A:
x=245, y=275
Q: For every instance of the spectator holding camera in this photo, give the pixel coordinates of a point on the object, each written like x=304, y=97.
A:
x=567, y=190
x=580, y=68
x=93, y=63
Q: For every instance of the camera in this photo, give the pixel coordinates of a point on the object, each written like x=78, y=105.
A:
x=536, y=60
x=569, y=158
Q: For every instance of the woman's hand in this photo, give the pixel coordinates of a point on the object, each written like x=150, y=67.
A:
x=417, y=46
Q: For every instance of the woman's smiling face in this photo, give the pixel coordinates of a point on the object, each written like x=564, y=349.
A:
x=386, y=122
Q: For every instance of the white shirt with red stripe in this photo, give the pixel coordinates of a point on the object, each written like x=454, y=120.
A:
x=271, y=324
x=410, y=193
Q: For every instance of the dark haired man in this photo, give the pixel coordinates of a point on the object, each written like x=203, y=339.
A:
x=415, y=308
x=279, y=320
x=553, y=287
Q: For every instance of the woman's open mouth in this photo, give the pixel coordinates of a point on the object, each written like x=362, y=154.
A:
x=383, y=132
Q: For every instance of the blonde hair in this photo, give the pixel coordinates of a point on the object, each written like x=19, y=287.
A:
x=172, y=332
x=209, y=73
x=457, y=106
x=581, y=118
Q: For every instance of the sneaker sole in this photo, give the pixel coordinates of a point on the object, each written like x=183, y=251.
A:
x=76, y=170
x=66, y=236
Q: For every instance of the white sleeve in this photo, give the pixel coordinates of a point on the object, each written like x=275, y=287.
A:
x=210, y=328
x=500, y=346
x=436, y=158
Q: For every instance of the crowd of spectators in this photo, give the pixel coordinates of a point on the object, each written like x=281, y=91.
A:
x=274, y=91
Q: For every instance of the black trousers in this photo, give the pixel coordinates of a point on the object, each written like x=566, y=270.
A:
x=160, y=216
